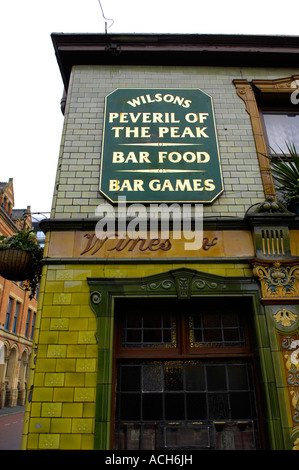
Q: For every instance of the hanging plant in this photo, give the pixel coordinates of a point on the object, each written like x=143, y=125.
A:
x=285, y=170
x=21, y=259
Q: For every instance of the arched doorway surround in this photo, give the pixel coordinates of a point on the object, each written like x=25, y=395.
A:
x=181, y=284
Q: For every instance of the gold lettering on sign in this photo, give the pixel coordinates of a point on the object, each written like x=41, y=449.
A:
x=206, y=244
x=113, y=243
x=94, y=244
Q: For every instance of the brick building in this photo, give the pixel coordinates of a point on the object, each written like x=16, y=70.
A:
x=17, y=312
x=141, y=342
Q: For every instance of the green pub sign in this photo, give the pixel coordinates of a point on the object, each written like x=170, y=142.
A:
x=160, y=145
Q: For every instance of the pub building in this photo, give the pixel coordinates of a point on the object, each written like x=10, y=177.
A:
x=168, y=308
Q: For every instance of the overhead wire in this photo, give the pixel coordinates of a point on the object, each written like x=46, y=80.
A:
x=105, y=18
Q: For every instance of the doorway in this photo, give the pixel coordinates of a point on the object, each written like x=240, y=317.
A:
x=184, y=375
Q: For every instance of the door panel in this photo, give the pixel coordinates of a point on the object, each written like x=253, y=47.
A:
x=184, y=375
x=190, y=404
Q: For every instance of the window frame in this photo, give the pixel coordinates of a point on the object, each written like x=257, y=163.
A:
x=16, y=316
x=258, y=94
x=9, y=313
x=183, y=349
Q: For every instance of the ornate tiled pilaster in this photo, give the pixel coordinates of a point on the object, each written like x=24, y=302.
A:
x=279, y=282
x=277, y=272
x=274, y=266
x=290, y=350
x=287, y=332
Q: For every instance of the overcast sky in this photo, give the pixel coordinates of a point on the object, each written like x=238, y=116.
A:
x=31, y=85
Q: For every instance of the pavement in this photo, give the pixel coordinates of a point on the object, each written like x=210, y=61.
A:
x=11, y=410
x=11, y=427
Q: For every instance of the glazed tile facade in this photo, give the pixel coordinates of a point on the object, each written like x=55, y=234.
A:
x=82, y=134
x=248, y=253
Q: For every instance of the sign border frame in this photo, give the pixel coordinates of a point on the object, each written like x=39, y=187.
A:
x=164, y=200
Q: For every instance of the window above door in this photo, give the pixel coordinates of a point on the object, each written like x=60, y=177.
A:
x=169, y=327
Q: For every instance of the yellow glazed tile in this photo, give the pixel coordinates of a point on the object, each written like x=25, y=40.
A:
x=61, y=425
x=75, y=379
x=35, y=410
x=57, y=350
x=92, y=350
x=54, y=379
x=45, y=365
x=90, y=379
x=38, y=380
x=75, y=350
x=41, y=394
x=87, y=442
x=65, y=365
x=73, y=286
x=63, y=394
x=85, y=311
x=84, y=394
x=81, y=274
x=235, y=272
x=48, y=337
x=92, y=323
x=70, y=311
x=39, y=425
x=218, y=271
x=32, y=442
x=51, y=311
x=51, y=409
x=59, y=324
x=70, y=442
x=72, y=410
x=62, y=298
x=64, y=274
x=54, y=286
x=86, y=365
x=49, y=441
x=248, y=272
x=68, y=337
x=79, y=299
x=54, y=267
x=86, y=337
x=48, y=299
x=45, y=324
x=89, y=410
x=49, y=276
x=82, y=425
x=78, y=324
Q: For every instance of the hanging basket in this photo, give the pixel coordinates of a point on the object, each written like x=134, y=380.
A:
x=15, y=264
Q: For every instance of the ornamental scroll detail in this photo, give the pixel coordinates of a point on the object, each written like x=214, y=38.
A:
x=278, y=280
x=183, y=285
